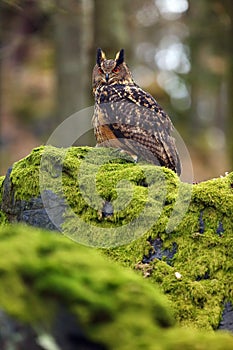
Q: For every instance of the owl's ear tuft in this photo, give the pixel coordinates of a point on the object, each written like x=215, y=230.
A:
x=100, y=56
x=120, y=57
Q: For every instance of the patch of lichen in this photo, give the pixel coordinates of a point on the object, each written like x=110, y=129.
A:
x=43, y=272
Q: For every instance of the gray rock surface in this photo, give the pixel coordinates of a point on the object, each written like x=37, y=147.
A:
x=33, y=211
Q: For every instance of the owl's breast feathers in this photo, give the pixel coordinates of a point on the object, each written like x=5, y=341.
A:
x=126, y=112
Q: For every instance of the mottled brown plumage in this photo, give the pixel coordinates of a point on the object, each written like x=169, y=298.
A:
x=129, y=118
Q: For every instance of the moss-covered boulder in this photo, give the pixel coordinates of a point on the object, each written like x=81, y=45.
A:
x=177, y=235
x=55, y=293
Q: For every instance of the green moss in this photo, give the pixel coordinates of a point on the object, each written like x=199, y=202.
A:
x=96, y=177
x=146, y=205
x=25, y=175
x=3, y=218
x=216, y=194
x=137, y=193
x=42, y=272
x=63, y=169
x=1, y=182
x=203, y=259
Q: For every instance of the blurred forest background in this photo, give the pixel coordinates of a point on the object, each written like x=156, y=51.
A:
x=180, y=51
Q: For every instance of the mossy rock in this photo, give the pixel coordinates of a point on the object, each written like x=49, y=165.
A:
x=65, y=295
x=1, y=181
x=176, y=234
x=3, y=218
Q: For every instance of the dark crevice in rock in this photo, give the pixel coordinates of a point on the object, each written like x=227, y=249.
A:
x=143, y=183
x=70, y=336
x=201, y=223
x=220, y=229
x=206, y=276
x=158, y=252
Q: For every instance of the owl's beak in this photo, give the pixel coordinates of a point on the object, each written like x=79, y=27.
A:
x=106, y=77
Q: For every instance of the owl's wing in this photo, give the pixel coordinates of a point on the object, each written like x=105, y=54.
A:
x=133, y=114
x=153, y=114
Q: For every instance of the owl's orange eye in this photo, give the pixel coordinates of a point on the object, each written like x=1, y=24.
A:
x=116, y=70
x=100, y=71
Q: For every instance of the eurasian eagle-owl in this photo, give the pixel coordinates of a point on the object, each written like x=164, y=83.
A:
x=128, y=118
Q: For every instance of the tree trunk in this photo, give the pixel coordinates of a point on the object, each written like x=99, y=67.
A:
x=73, y=40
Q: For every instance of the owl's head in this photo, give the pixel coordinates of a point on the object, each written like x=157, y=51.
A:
x=114, y=71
